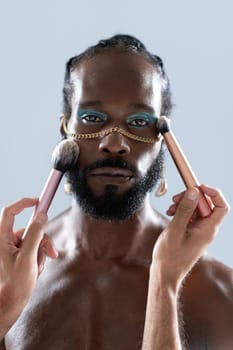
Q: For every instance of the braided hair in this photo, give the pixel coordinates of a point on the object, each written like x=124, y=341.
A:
x=122, y=43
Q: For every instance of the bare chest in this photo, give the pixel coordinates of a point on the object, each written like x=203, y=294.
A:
x=92, y=307
x=96, y=305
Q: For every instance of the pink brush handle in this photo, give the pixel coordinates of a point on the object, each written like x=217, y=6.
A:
x=205, y=205
x=47, y=194
x=48, y=191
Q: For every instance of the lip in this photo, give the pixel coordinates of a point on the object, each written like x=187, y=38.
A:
x=112, y=176
x=112, y=172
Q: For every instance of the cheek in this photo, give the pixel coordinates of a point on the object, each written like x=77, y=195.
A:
x=146, y=160
x=88, y=152
x=73, y=125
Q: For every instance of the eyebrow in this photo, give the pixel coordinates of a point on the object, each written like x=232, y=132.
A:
x=137, y=106
x=143, y=106
x=87, y=104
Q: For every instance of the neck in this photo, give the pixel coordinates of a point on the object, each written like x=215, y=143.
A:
x=108, y=239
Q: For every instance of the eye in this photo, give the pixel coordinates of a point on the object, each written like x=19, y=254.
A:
x=138, y=123
x=141, y=120
x=91, y=116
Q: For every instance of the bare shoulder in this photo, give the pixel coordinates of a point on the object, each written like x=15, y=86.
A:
x=213, y=276
x=208, y=302
x=212, y=282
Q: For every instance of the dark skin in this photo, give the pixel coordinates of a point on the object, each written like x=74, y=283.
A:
x=93, y=296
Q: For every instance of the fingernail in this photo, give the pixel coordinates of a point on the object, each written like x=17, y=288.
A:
x=192, y=194
x=40, y=218
x=56, y=254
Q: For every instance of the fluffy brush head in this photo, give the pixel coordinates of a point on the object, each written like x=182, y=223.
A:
x=163, y=125
x=65, y=155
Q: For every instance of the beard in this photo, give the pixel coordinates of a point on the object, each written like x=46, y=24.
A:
x=110, y=205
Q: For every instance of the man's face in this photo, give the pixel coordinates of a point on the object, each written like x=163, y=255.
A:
x=115, y=172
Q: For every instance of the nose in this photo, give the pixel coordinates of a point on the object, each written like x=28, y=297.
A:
x=114, y=143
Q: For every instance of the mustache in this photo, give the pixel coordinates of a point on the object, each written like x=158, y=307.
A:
x=111, y=162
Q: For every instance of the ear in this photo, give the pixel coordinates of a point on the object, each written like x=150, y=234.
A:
x=62, y=120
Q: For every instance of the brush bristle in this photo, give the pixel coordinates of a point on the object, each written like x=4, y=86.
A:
x=65, y=155
x=162, y=125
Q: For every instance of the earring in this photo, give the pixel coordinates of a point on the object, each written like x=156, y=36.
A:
x=163, y=187
x=67, y=188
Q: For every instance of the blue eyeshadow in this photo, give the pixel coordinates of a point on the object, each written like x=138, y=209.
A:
x=149, y=118
x=82, y=113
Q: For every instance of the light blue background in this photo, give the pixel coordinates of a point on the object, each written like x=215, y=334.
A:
x=193, y=37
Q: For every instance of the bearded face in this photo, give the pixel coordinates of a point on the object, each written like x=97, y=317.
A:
x=111, y=205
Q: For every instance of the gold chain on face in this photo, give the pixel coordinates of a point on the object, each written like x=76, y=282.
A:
x=103, y=133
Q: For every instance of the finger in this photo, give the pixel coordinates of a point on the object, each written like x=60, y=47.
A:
x=50, y=250
x=185, y=210
x=177, y=198
x=171, y=210
x=45, y=249
x=48, y=247
x=41, y=260
x=8, y=213
x=216, y=196
x=34, y=235
x=221, y=206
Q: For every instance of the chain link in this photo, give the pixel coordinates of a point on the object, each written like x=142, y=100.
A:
x=103, y=133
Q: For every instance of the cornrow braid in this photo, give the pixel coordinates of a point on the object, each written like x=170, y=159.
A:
x=123, y=43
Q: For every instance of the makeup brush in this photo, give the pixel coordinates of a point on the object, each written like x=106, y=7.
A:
x=64, y=157
x=205, y=205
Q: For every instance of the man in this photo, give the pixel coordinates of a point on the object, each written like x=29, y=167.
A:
x=123, y=276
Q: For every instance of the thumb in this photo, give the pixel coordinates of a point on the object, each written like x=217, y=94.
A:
x=34, y=235
x=186, y=208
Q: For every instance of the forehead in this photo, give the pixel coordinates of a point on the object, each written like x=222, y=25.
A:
x=116, y=77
